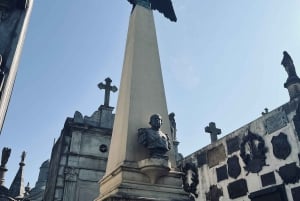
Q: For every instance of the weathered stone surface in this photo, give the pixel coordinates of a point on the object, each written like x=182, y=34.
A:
x=216, y=155
x=237, y=188
x=268, y=179
x=90, y=175
x=275, y=122
x=222, y=173
x=233, y=145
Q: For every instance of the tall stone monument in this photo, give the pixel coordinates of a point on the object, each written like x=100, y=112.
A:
x=14, y=18
x=137, y=168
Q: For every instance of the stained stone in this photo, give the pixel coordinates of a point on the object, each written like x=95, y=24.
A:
x=296, y=193
x=237, y=188
x=201, y=159
x=274, y=193
x=222, y=173
x=216, y=155
x=268, y=179
x=233, y=145
x=275, y=122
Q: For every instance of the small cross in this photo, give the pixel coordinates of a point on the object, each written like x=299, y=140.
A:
x=214, y=132
x=107, y=87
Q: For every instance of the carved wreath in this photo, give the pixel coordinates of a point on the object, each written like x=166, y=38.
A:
x=253, y=152
x=192, y=187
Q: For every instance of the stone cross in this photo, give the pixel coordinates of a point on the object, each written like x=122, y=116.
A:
x=214, y=132
x=107, y=87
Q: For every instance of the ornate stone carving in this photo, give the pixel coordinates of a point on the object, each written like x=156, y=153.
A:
x=290, y=173
x=214, y=193
x=296, y=120
x=234, y=168
x=71, y=174
x=103, y=148
x=253, y=152
x=154, y=139
x=281, y=146
x=108, y=88
x=173, y=125
x=190, y=174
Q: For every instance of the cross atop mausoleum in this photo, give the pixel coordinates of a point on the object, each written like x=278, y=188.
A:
x=107, y=87
x=213, y=130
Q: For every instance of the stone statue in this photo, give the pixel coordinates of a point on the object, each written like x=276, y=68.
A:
x=5, y=156
x=288, y=64
x=163, y=6
x=154, y=139
x=173, y=125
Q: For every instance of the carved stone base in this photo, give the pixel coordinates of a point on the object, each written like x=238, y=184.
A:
x=129, y=183
x=154, y=168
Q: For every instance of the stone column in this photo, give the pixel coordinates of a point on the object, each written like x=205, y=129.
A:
x=70, y=184
x=14, y=19
x=130, y=175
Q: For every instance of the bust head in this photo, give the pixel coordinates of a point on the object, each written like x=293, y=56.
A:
x=155, y=122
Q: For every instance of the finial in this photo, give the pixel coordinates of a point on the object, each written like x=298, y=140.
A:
x=23, y=158
x=5, y=156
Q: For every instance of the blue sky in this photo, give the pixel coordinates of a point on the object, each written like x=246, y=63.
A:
x=220, y=62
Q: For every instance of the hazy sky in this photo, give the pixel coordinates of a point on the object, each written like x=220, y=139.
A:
x=220, y=62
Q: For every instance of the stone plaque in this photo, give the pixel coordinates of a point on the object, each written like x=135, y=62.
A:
x=233, y=145
x=290, y=173
x=274, y=193
x=296, y=193
x=281, y=146
x=222, y=173
x=216, y=155
x=214, y=193
x=275, y=122
x=234, y=168
x=201, y=159
x=268, y=179
x=237, y=188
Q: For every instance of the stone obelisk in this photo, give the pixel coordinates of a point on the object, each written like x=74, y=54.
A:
x=129, y=174
x=14, y=19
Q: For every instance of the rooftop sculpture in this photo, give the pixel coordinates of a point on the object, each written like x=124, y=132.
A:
x=163, y=6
